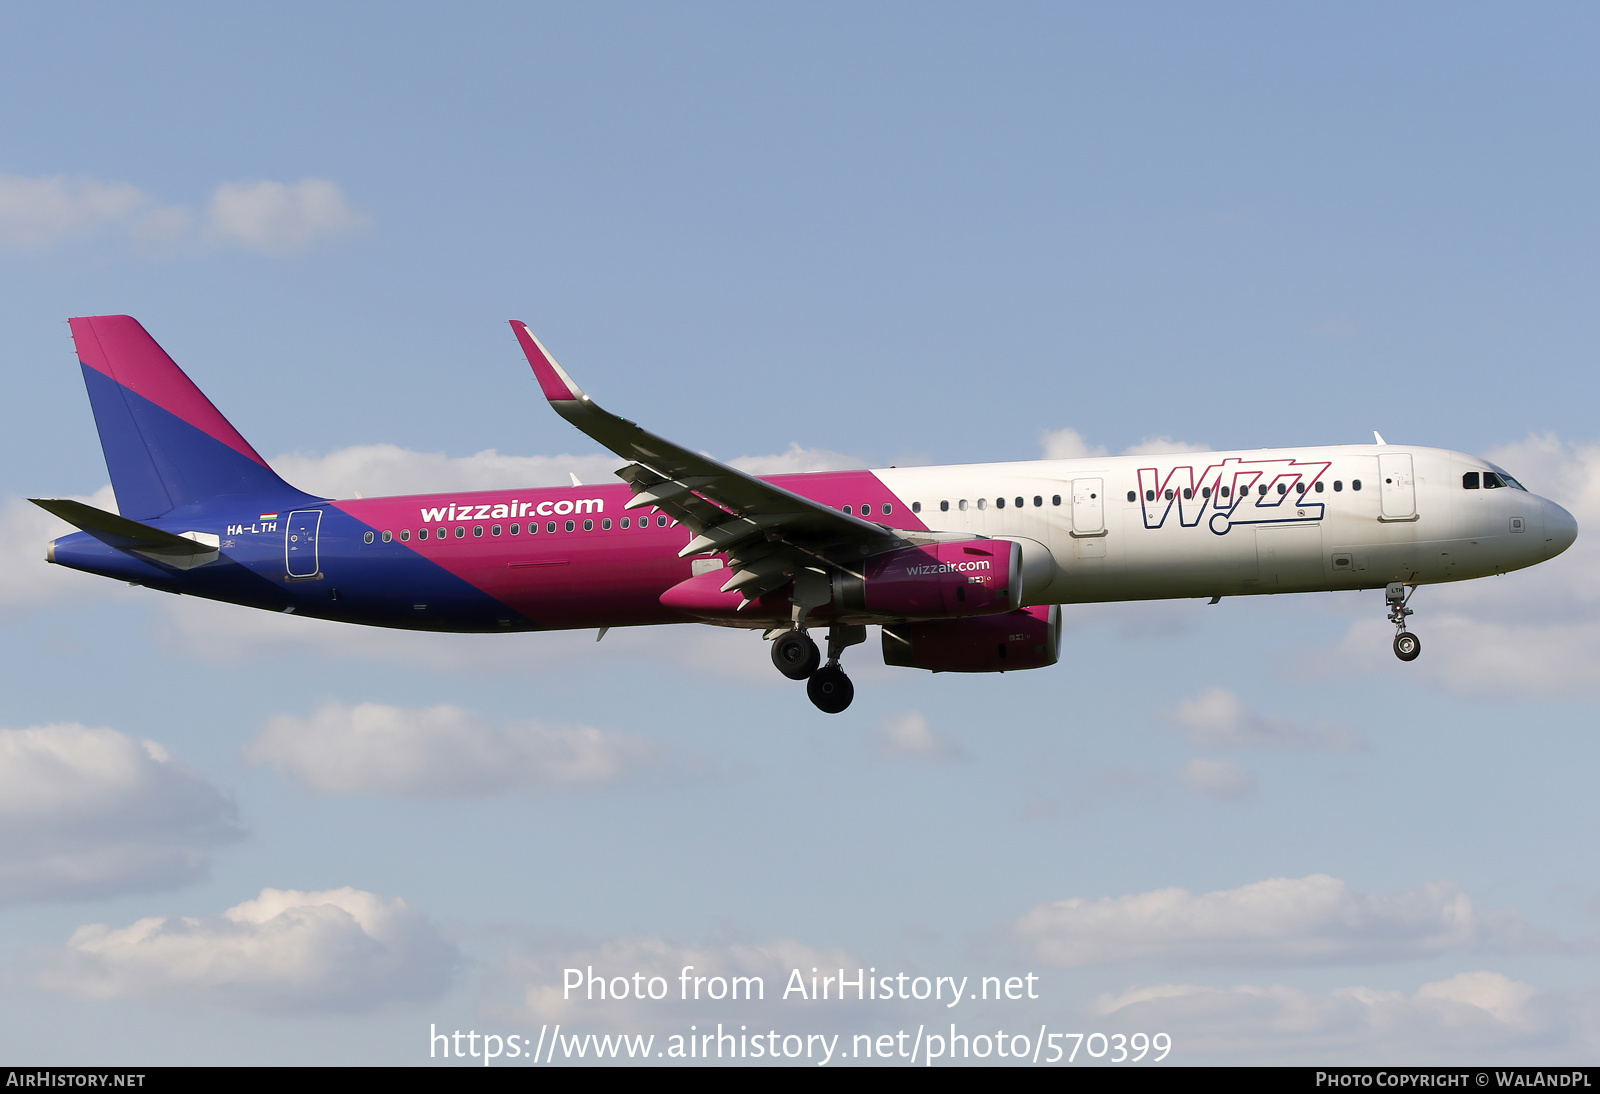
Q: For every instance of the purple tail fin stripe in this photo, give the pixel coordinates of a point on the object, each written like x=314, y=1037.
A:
x=118, y=347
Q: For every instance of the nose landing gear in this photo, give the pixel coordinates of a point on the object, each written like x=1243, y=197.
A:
x=1406, y=645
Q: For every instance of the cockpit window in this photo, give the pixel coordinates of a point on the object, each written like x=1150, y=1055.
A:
x=1469, y=481
x=1491, y=481
x=1502, y=479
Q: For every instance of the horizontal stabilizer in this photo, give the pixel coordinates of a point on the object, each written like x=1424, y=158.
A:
x=182, y=551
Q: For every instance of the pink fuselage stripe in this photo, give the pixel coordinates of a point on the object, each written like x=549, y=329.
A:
x=119, y=347
x=598, y=577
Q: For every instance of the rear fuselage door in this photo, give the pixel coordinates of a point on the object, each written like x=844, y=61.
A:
x=1088, y=507
x=1397, y=490
x=300, y=543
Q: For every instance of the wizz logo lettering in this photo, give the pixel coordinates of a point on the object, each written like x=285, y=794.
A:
x=1233, y=491
x=513, y=510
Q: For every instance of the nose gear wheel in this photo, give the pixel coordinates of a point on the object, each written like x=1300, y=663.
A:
x=1406, y=645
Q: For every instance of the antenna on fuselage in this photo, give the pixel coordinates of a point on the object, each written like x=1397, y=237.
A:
x=1378, y=437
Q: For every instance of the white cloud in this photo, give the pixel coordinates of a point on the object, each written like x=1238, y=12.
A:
x=285, y=951
x=379, y=470
x=270, y=217
x=908, y=735
x=91, y=812
x=1218, y=778
x=1068, y=444
x=1157, y=446
x=1218, y=718
x=26, y=579
x=276, y=217
x=1310, y=920
x=440, y=751
x=1472, y=1018
x=796, y=460
x=36, y=212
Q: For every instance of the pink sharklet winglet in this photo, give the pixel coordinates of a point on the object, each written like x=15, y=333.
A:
x=553, y=379
x=119, y=347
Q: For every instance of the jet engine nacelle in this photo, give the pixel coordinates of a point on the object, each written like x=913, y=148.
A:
x=937, y=581
x=1026, y=639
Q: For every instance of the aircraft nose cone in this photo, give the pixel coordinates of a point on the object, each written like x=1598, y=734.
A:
x=1560, y=529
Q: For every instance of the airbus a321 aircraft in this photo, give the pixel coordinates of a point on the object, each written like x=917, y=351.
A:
x=964, y=568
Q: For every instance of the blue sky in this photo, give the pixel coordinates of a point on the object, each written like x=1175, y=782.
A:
x=828, y=236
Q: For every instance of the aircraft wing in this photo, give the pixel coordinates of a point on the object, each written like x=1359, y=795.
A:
x=767, y=531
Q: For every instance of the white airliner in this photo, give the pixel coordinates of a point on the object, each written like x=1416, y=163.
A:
x=964, y=568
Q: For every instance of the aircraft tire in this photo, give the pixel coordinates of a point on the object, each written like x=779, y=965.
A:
x=1407, y=646
x=830, y=690
x=795, y=655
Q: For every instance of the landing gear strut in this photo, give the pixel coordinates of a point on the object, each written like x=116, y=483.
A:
x=1406, y=645
x=829, y=689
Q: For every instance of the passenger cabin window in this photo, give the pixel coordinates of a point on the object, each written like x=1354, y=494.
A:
x=366, y=537
x=983, y=503
x=999, y=503
x=1131, y=497
x=1338, y=485
x=1469, y=481
x=1355, y=484
x=944, y=507
x=962, y=505
x=916, y=507
x=423, y=534
x=1055, y=499
x=405, y=535
x=1019, y=502
x=1319, y=486
x=1038, y=502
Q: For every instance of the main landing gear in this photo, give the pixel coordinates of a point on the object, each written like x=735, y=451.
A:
x=797, y=657
x=1406, y=645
